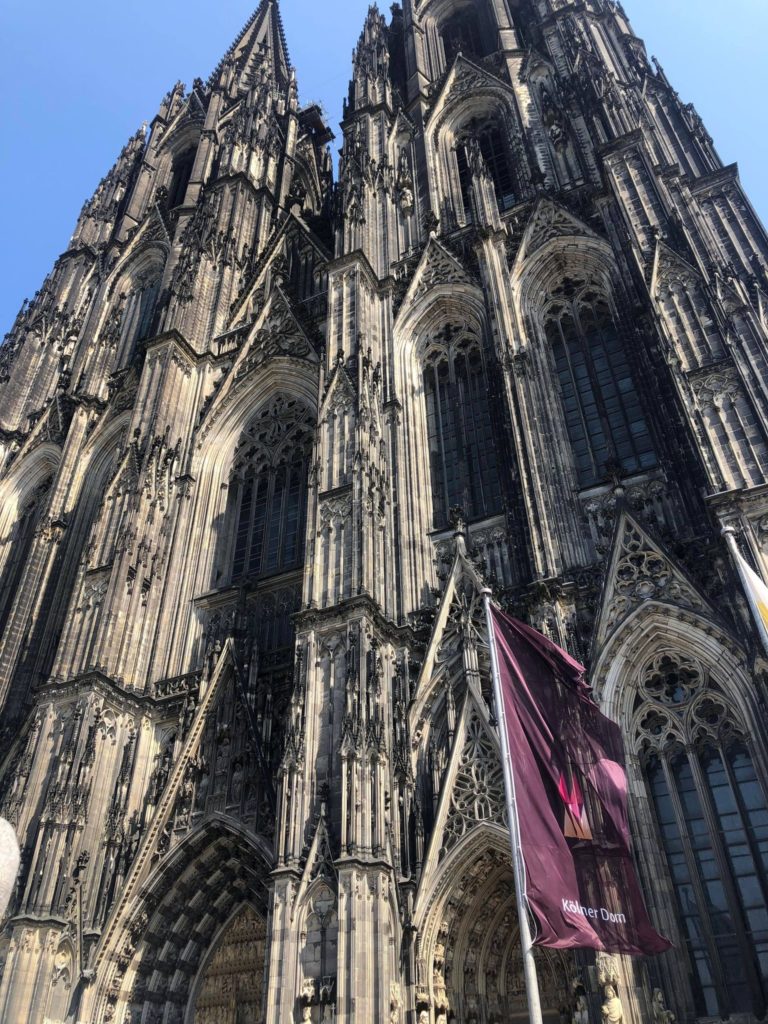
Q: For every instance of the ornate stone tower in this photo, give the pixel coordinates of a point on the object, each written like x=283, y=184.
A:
x=264, y=439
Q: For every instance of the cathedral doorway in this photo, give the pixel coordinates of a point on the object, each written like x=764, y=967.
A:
x=230, y=984
x=473, y=968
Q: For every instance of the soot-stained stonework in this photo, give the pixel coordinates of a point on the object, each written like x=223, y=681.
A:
x=266, y=435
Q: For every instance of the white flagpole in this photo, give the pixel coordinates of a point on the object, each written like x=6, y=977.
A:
x=729, y=532
x=518, y=867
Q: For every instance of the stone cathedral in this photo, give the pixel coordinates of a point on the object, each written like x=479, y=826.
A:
x=268, y=430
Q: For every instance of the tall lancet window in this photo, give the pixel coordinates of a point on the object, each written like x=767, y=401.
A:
x=485, y=143
x=269, y=490
x=604, y=418
x=16, y=546
x=712, y=819
x=462, y=454
x=137, y=309
x=463, y=33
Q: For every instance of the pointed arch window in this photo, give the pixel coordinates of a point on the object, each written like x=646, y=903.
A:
x=462, y=452
x=712, y=817
x=604, y=417
x=18, y=547
x=270, y=491
x=138, y=317
x=181, y=175
x=463, y=33
x=490, y=140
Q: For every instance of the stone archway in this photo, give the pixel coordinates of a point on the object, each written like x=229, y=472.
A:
x=471, y=967
x=230, y=984
x=208, y=899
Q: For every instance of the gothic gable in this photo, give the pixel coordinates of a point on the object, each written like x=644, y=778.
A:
x=460, y=623
x=639, y=571
x=464, y=79
x=276, y=334
x=319, y=863
x=549, y=221
x=472, y=791
x=669, y=266
x=292, y=230
x=340, y=392
x=438, y=267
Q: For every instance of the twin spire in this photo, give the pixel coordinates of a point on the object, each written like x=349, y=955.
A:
x=261, y=39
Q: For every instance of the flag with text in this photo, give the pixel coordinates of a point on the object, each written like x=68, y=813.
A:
x=571, y=796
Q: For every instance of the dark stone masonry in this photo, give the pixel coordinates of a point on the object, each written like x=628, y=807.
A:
x=267, y=430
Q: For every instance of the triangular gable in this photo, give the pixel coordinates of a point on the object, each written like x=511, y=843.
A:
x=533, y=61
x=667, y=263
x=125, y=478
x=276, y=248
x=402, y=125
x=339, y=392
x=144, y=860
x=437, y=266
x=639, y=570
x=320, y=862
x=463, y=79
x=550, y=220
x=464, y=588
x=276, y=333
x=472, y=791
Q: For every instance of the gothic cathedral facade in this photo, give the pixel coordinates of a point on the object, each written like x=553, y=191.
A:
x=264, y=439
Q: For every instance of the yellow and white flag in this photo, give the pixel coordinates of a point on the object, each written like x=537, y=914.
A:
x=757, y=594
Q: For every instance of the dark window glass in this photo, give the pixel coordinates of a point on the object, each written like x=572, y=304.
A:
x=182, y=172
x=462, y=34
x=603, y=415
x=20, y=544
x=462, y=454
x=719, y=875
x=494, y=150
x=271, y=518
x=497, y=160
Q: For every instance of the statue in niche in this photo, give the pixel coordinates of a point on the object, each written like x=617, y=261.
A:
x=581, y=1011
x=612, y=1010
x=439, y=988
x=659, y=1011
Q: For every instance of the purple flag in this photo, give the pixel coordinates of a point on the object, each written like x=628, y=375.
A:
x=571, y=791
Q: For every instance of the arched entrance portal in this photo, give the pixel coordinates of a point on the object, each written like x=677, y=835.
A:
x=230, y=986
x=472, y=965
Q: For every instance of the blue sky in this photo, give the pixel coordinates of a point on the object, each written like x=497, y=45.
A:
x=79, y=77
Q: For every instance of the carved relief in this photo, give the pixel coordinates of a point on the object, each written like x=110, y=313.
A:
x=478, y=790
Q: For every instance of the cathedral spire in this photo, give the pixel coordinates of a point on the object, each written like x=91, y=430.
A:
x=261, y=41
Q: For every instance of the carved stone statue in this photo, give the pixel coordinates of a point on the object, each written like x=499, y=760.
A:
x=659, y=1011
x=613, y=1011
x=424, y=1017
x=581, y=1012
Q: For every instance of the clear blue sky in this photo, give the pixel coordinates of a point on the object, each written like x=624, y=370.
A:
x=79, y=77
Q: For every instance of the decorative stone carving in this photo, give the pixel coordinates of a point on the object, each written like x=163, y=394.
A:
x=234, y=975
x=612, y=1010
x=478, y=789
x=642, y=573
x=659, y=1011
